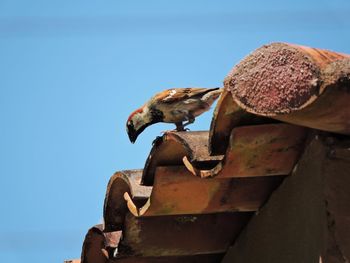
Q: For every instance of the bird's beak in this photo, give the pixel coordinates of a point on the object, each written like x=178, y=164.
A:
x=132, y=137
x=133, y=134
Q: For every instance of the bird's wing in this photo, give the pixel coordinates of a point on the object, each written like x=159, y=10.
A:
x=178, y=94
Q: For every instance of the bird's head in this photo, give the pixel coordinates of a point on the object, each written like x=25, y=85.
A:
x=139, y=120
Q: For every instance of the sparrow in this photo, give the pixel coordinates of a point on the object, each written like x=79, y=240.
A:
x=177, y=105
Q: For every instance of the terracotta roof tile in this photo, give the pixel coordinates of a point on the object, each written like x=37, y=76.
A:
x=180, y=235
x=259, y=150
x=198, y=190
x=115, y=206
x=228, y=115
x=173, y=146
x=307, y=217
x=99, y=246
x=176, y=191
x=296, y=84
x=204, y=258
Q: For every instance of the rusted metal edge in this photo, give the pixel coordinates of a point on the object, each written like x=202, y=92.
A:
x=260, y=150
x=172, y=147
x=115, y=206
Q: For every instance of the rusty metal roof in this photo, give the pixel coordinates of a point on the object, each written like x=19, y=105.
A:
x=198, y=190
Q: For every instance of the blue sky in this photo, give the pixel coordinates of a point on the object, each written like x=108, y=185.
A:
x=72, y=71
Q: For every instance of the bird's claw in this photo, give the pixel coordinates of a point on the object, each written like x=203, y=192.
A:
x=182, y=130
x=176, y=130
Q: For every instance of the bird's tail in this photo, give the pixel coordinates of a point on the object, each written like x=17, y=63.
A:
x=212, y=95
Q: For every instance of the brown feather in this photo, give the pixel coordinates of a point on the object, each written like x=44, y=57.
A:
x=179, y=94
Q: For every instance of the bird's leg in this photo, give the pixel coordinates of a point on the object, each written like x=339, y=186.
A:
x=190, y=120
x=180, y=126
